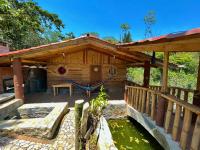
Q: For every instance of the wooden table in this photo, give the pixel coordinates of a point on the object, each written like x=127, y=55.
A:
x=57, y=86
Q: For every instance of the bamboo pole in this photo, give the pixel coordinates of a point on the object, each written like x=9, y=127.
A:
x=176, y=122
x=168, y=116
x=143, y=101
x=196, y=135
x=186, y=128
x=147, y=102
x=78, y=114
x=153, y=106
x=137, y=93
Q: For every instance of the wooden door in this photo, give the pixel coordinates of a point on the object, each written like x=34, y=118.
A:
x=95, y=73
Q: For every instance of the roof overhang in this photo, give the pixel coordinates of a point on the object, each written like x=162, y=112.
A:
x=187, y=41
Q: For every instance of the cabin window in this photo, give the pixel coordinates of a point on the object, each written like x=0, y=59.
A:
x=112, y=71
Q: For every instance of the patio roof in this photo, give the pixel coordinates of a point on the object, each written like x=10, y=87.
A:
x=184, y=41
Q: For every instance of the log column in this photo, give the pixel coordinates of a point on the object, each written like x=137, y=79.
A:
x=18, y=78
x=196, y=99
x=146, y=74
x=160, y=115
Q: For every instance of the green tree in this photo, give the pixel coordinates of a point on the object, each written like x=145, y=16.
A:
x=91, y=33
x=111, y=39
x=69, y=36
x=21, y=19
x=126, y=34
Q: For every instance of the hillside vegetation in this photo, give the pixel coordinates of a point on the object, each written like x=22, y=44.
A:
x=185, y=76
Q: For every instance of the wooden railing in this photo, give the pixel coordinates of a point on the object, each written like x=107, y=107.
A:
x=182, y=119
x=180, y=93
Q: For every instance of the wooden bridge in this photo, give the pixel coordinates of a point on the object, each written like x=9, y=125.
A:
x=181, y=119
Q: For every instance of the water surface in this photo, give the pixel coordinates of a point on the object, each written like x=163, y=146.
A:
x=130, y=135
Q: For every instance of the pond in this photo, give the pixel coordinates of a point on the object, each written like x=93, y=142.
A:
x=130, y=135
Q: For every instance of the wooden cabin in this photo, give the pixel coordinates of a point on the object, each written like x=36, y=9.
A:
x=86, y=60
x=89, y=59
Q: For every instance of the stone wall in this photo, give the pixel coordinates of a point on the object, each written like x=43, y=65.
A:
x=115, y=109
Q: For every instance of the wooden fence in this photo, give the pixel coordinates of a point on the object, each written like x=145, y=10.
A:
x=181, y=121
x=180, y=93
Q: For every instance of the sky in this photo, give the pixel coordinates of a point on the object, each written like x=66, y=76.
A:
x=106, y=16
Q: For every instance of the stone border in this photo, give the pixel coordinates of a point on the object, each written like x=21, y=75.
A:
x=8, y=107
x=105, y=140
x=6, y=96
x=38, y=127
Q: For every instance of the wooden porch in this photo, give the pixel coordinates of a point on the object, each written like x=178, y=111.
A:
x=77, y=94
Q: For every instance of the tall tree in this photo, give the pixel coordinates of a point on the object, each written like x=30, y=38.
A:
x=70, y=35
x=149, y=20
x=126, y=34
x=21, y=19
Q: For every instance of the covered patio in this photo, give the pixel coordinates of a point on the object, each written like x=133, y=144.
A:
x=87, y=60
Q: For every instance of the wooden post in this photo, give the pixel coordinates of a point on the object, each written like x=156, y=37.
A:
x=198, y=78
x=196, y=97
x=186, y=128
x=176, y=122
x=168, y=116
x=147, y=102
x=84, y=119
x=196, y=135
x=153, y=105
x=18, y=78
x=147, y=70
x=160, y=115
x=78, y=114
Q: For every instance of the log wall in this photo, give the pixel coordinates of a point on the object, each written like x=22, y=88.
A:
x=78, y=64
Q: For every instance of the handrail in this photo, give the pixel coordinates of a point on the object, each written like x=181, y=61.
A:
x=145, y=100
x=173, y=87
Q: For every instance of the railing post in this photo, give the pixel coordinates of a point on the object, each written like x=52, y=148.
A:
x=186, y=128
x=153, y=105
x=143, y=101
x=196, y=135
x=147, y=102
x=168, y=115
x=176, y=122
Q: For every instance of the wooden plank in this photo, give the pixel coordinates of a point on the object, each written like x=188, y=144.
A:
x=176, y=122
x=147, y=102
x=168, y=116
x=196, y=135
x=143, y=101
x=186, y=128
x=136, y=98
x=153, y=106
x=140, y=101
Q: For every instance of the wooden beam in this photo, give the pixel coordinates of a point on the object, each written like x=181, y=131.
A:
x=147, y=70
x=165, y=72
x=192, y=45
x=33, y=62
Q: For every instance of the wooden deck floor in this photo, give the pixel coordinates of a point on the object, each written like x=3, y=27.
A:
x=46, y=97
